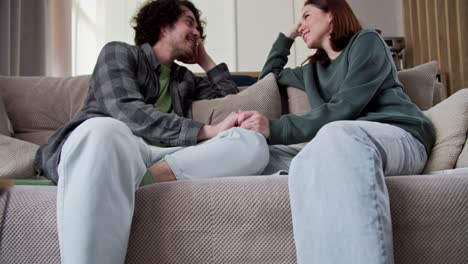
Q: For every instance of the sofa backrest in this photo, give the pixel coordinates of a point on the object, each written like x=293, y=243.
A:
x=37, y=106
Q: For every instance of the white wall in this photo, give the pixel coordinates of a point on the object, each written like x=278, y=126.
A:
x=386, y=15
x=239, y=32
x=220, y=29
x=259, y=23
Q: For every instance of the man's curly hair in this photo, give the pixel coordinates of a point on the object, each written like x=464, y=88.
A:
x=159, y=13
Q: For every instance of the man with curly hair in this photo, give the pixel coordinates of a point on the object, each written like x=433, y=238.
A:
x=135, y=128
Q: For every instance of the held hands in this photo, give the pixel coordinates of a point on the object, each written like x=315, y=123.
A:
x=210, y=131
x=250, y=120
x=253, y=120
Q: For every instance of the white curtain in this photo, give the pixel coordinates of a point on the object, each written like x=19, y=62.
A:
x=35, y=37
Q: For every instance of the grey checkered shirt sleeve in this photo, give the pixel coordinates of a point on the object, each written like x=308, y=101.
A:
x=218, y=83
x=117, y=92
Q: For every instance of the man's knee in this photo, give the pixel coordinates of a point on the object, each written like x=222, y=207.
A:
x=103, y=142
x=103, y=128
x=250, y=146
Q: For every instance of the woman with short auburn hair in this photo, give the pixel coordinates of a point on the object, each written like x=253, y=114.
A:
x=362, y=127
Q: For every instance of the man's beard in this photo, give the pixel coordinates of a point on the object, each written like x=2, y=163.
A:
x=184, y=53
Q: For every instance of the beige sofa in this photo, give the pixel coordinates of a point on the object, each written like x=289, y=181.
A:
x=238, y=219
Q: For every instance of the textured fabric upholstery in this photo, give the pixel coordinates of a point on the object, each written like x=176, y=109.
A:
x=36, y=137
x=439, y=93
x=419, y=83
x=462, y=161
x=231, y=220
x=298, y=102
x=263, y=97
x=16, y=158
x=28, y=229
x=430, y=217
x=241, y=220
x=450, y=119
x=42, y=103
x=5, y=125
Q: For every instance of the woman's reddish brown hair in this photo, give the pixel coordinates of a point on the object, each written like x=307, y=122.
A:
x=344, y=25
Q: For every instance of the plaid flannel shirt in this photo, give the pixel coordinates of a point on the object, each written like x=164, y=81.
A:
x=125, y=86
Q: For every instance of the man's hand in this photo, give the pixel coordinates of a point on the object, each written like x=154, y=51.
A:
x=253, y=120
x=210, y=131
x=200, y=57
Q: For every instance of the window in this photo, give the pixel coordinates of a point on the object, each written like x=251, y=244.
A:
x=95, y=23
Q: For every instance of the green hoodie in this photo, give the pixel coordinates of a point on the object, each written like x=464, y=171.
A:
x=360, y=84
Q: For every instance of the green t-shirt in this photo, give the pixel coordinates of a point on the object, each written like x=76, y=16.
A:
x=164, y=102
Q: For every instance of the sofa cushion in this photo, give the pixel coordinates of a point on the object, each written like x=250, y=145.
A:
x=298, y=103
x=42, y=103
x=37, y=137
x=450, y=119
x=240, y=220
x=5, y=124
x=439, y=93
x=16, y=158
x=263, y=97
x=462, y=161
x=419, y=83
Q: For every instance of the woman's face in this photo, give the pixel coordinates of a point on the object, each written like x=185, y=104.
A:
x=315, y=27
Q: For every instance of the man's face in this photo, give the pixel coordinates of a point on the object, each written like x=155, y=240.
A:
x=183, y=36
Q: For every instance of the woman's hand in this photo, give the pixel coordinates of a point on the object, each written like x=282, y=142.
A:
x=253, y=120
x=294, y=32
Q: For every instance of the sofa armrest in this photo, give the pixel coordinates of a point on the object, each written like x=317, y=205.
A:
x=430, y=218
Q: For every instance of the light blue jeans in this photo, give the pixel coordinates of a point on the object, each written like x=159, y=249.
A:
x=339, y=201
x=102, y=164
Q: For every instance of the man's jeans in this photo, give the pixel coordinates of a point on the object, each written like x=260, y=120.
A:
x=102, y=164
x=339, y=201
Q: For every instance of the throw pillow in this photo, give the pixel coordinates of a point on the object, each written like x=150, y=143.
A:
x=16, y=158
x=5, y=124
x=462, y=161
x=263, y=97
x=450, y=119
x=298, y=102
x=419, y=83
x=439, y=93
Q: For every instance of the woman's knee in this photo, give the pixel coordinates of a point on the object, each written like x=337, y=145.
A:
x=340, y=143
x=338, y=130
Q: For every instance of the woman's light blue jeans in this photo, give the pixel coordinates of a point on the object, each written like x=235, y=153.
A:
x=339, y=201
x=102, y=164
